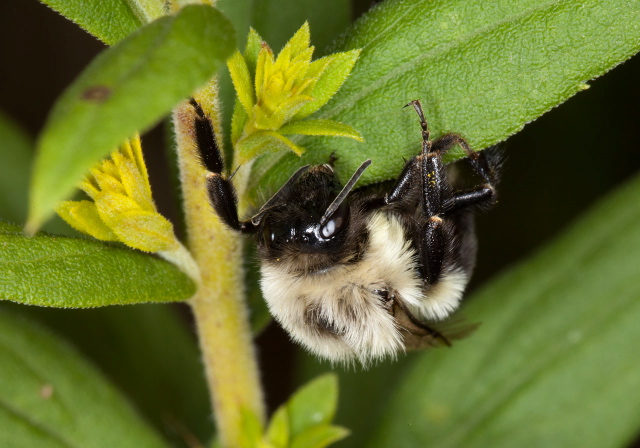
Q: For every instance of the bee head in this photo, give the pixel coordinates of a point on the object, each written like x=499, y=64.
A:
x=312, y=225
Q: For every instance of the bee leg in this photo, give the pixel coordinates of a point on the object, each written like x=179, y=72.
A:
x=222, y=193
x=426, y=173
x=433, y=243
x=441, y=203
x=411, y=172
x=437, y=241
x=432, y=175
x=486, y=164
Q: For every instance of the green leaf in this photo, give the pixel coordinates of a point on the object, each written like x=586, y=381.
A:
x=277, y=20
x=363, y=393
x=242, y=80
x=335, y=69
x=76, y=273
x=251, y=430
x=555, y=362
x=278, y=430
x=16, y=155
x=149, y=10
x=50, y=398
x=321, y=127
x=481, y=69
x=124, y=343
x=264, y=142
x=108, y=20
x=303, y=422
x=313, y=404
x=126, y=89
x=252, y=50
x=15, y=161
x=319, y=436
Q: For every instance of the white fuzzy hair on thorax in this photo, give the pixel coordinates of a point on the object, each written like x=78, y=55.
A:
x=344, y=297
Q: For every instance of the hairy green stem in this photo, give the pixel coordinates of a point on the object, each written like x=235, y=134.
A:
x=219, y=305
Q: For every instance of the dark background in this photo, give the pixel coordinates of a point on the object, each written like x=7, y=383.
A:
x=556, y=167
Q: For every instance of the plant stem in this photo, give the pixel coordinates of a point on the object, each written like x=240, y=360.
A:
x=219, y=305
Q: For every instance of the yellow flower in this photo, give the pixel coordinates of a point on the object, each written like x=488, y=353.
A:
x=275, y=94
x=121, y=206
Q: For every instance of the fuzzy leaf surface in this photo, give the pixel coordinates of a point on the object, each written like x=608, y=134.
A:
x=321, y=127
x=555, y=361
x=77, y=273
x=51, y=398
x=482, y=70
x=122, y=342
x=126, y=89
x=108, y=20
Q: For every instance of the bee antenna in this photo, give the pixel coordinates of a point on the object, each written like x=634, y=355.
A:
x=345, y=192
x=234, y=173
x=276, y=197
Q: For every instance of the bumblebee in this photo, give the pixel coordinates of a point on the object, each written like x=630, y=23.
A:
x=362, y=274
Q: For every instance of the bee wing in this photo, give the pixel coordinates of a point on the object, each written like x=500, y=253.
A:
x=419, y=335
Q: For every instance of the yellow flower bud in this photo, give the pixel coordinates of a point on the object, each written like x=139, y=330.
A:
x=281, y=91
x=122, y=208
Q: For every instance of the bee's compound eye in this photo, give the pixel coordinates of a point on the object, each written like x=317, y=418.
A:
x=269, y=234
x=336, y=222
x=266, y=233
x=272, y=233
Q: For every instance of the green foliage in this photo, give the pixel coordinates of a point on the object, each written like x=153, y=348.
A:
x=276, y=94
x=126, y=89
x=276, y=21
x=77, y=273
x=303, y=422
x=314, y=404
x=551, y=365
x=319, y=436
x=555, y=359
x=16, y=156
x=50, y=397
x=554, y=363
x=124, y=343
x=481, y=69
x=260, y=316
x=108, y=20
x=15, y=161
